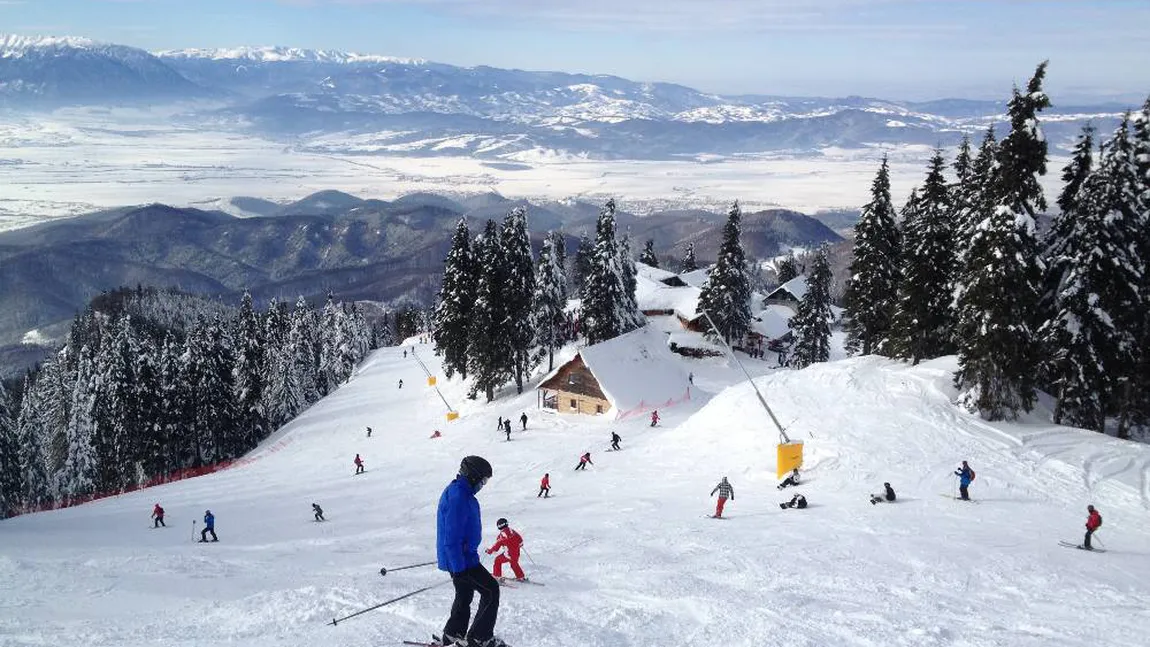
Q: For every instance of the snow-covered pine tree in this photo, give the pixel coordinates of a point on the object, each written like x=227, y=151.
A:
x=167, y=448
x=1089, y=339
x=453, y=308
x=148, y=408
x=1139, y=388
x=726, y=295
x=811, y=324
x=11, y=479
x=648, y=256
x=583, y=259
x=114, y=436
x=976, y=196
x=605, y=313
x=302, y=337
x=549, y=301
x=489, y=356
x=874, y=275
x=1070, y=204
x=518, y=290
x=788, y=267
x=248, y=375
x=329, y=338
x=34, y=475
x=630, y=272
x=1001, y=281
x=922, y=326
x=559, y=246
x=78, y=476
x=689, y=262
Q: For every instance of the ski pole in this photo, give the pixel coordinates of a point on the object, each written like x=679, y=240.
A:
x=385, y=571
x=336, y=621
x=529, y=557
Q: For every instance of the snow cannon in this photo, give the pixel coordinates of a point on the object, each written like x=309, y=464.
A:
x=790, y=457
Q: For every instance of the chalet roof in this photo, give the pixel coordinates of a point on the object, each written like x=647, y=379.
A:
x=797, y=287
x=697, y=277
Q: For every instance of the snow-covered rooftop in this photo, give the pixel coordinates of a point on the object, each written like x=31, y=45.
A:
x=796, y=286
x=636, y=370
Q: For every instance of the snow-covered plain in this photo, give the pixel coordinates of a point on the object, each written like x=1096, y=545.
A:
x=78, y=160
x=626, y=553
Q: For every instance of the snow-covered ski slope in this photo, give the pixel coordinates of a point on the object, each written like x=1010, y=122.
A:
x=625, y=550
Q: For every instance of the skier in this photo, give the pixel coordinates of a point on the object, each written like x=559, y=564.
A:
x=544, y=487
x=523, y=420
x=654, y=417
x=507, y=428
x=797, y=501
x=1093, y=523
x=458, y=532
x=318, y=512
x=369, y=432
x=792, y=479
x=615, y=441
x=726, y=491
x=405, y=353
x=583, y=461
x=499, y=425
x=965, y=478
x=209, y=526
x=401, y=384
x=691, y=378
x=436, y=434
x=158, y=515
x=511, y=541
x=888, y=495
x=358, y=464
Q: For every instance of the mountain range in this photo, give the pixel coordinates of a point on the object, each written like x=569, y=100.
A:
x=331, y=101
x=330, y=241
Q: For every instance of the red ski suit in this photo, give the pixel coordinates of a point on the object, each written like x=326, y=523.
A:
x=510, y=541
x=1094, y=521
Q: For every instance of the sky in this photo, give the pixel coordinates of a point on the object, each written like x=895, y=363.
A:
x=898, y=49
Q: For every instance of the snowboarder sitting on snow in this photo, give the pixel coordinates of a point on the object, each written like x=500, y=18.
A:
x=544, y=487
x=1093, y=522
x=615, y=440
x=888, y=495
x=583, y=461
x=318, y=512
x=726, y=491
x=209, y=526
x=523, y=420
x=965, y=478
x=792, y=479
x=458, y=532
x=510, y=541
x=654, y=417
x=358, y=464
x=158, y=515
x=797, y=501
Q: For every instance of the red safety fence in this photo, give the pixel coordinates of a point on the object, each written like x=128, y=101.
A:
x=645, y=407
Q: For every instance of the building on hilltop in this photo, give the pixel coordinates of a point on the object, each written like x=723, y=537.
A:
x=629, y=375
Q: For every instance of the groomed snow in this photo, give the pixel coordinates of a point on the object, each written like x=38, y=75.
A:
x=626, y=554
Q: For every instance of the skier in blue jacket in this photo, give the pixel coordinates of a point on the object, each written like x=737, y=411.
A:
x=965, y=478
x=459, y=531
x=209, y=526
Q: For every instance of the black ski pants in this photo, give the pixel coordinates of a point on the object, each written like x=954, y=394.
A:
x=963, y=493
x=614, y=444
x=159, y=522
x=204, y=534
x=466, y=584
x=1086, y=541
x=543, y=492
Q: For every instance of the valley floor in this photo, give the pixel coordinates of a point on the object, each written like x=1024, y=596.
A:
x=625, y=549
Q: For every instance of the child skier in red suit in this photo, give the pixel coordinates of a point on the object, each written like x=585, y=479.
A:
x=510, y=541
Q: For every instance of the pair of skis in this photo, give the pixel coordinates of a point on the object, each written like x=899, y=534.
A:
x=1068, y=544
x=511, y=582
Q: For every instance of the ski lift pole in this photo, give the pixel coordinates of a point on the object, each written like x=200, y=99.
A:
x=762, y=400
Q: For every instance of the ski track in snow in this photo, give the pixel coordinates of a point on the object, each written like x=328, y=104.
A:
x=625, y=550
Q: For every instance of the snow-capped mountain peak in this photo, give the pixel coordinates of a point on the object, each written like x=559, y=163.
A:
x=279, y=54
x=14, y=46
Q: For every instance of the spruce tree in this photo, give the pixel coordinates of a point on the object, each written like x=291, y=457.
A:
x=35, y=477
x=583, y=259
x=559, y=247
x=811, y=322
x=726, y=295
x=689, y=262
x=605, y=310
x=648, y=256
x=788, y=267
x=80, y=473
x=518, y=289
x=114, y=437
x=489, y=354
x=1138, y=409
x=248, y=376
x=453, y=308
x=874, y=277
x=11, y=479
x=548, y=300
x=975, y=197
x=632, y=318
x=922, y=326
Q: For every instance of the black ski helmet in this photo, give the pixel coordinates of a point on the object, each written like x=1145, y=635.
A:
x=475, y=469
x=501, y=524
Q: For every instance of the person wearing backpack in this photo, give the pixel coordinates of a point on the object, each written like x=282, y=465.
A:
x=1093, y=523
x=965, y=478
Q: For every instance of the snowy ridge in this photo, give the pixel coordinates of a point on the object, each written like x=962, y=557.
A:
x=14, y=46
x=280, y=54
x=623, y=548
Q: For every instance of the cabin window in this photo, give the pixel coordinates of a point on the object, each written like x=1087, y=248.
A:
x=574, y=404
x=598, y=408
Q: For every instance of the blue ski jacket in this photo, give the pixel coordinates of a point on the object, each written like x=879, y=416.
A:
x=965, y=475
x=458, y=529
x=209, y=520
